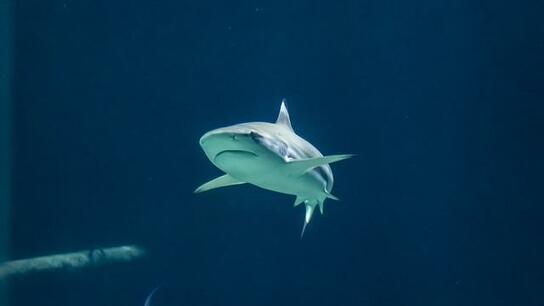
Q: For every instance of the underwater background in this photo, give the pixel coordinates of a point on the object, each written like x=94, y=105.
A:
x=441, y=100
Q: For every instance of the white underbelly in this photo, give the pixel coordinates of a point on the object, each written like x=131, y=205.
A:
x=269, y=173
x=306, y=185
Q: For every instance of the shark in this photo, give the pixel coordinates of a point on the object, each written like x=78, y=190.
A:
x=273, y=157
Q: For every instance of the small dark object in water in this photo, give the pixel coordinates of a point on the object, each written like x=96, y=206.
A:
x=150, y=296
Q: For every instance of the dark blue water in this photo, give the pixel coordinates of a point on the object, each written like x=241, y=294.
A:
x=442, y=101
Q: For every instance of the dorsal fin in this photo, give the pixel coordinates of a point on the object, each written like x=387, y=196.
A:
x=283, y=116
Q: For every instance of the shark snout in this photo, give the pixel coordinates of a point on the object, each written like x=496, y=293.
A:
x=224, y=137
x=227, y=139
x=226, y=133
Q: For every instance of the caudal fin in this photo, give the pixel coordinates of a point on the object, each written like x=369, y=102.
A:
x=303, y=229
x=310, y=207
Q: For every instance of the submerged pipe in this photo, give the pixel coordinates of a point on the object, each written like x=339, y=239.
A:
x=71, y=261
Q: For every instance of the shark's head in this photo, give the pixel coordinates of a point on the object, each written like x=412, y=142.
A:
x=232, y=147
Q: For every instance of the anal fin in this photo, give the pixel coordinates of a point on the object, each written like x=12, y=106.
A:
x=222, y=181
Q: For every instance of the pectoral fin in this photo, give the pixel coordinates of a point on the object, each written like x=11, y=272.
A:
x=301, y=166
x=222, y=181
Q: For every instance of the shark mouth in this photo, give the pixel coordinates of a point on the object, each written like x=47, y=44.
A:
x=240, y=152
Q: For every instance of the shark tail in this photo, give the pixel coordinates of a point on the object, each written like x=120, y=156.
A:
x=310, y=207
x=303, y=229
